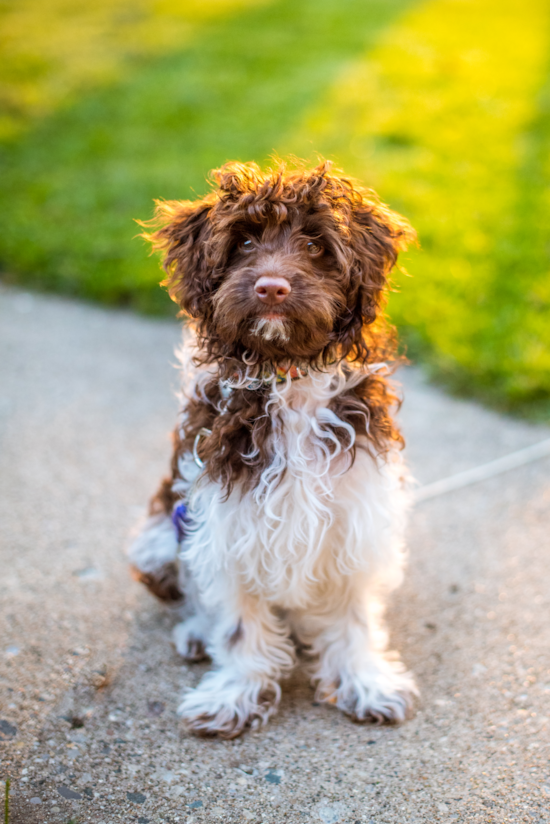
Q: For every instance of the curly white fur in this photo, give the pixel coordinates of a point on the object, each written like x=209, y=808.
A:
x=155, y=545
x=311, y=550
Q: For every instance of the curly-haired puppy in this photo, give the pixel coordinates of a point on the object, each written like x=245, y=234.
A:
x=282, y=520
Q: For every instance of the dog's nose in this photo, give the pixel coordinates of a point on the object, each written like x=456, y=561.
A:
x=272, y=290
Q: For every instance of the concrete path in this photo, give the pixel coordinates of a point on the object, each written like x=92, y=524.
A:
x=89, y=682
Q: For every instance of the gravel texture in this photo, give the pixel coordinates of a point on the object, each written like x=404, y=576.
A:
x=89, y=682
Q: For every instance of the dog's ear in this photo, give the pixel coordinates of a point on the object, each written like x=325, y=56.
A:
x=185, y=228
x=376, y=236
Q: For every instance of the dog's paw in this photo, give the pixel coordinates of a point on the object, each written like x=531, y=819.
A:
x=225, y=705
x=190, y=639
x=380, y=696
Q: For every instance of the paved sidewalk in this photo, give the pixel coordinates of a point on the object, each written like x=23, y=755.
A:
x=89, y=682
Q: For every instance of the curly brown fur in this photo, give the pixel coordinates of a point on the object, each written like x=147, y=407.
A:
x=342, y=290
x=257, y=224
x=244, y=429
x=165, y=498
x=163, y=583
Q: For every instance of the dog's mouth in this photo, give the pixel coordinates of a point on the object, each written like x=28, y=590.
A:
x=271, y=316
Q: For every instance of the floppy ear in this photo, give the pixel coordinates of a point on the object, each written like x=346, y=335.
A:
x=376, y=236
x=185, y=229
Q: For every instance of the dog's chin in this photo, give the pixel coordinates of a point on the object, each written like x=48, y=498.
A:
x=278, y=337
x=275, y=336
x=271, y=328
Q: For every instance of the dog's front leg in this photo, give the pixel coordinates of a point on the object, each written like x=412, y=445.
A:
x=353, y=674
x=251, y=650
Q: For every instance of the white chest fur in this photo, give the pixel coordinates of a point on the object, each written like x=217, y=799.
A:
x=313, y=518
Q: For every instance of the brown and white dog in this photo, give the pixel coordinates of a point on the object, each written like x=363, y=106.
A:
x=284, y=513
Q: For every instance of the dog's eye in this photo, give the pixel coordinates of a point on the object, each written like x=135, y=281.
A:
x=246, y=245
x=314, y=249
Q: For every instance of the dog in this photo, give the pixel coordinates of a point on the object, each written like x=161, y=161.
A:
x=281, y=524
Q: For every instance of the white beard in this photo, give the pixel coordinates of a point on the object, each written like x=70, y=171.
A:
x=271, y=329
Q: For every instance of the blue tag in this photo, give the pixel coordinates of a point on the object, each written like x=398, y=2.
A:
x=179, y=519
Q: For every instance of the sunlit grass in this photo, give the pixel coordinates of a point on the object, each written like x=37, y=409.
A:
x=52, y=51
x=446, y=119
x=74, y=184
x=443, y=106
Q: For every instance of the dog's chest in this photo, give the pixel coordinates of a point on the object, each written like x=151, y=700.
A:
x=313, y=511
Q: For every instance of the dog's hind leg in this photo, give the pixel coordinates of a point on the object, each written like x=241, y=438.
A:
x=153, y=553
x=251, y=650
x=353, y=673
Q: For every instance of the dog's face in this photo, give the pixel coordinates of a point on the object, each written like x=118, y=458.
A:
x=280, y=267
x=282, y=291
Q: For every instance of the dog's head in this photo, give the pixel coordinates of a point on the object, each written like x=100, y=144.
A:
x=286, y=266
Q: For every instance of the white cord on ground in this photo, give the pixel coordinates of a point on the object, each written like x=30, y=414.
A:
x=481, y=473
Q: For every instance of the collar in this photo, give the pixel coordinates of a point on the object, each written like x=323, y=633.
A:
x=282, y=374
x=265, y=377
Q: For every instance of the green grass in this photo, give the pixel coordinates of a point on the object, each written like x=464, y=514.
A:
x=449, y=117
x=52, y=52
x=73, y=184
x=443, y=106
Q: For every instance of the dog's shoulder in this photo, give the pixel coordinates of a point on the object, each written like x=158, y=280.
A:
x=242, y=426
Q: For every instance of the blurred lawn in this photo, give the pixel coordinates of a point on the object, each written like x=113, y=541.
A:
x=443, y=106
